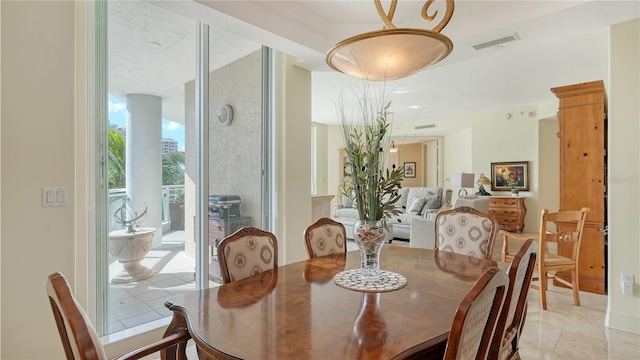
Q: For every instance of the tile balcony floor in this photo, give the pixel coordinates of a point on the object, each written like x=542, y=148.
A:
x=136, y=303
x=563, y=332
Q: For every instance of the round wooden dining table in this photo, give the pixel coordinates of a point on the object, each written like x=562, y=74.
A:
x=297, y=311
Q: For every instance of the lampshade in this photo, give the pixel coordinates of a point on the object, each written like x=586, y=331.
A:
x=464, y=180
x=393, y=149
x=483, y=180
x=392, y=53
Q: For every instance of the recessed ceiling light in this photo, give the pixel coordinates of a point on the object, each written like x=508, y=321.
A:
x=415, y=106
x=400, y=91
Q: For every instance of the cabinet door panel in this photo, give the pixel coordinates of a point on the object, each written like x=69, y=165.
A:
x=582, y=133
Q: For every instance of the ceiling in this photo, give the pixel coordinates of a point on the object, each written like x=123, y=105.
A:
x=560, y=43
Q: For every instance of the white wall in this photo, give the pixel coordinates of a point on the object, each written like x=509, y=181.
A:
x=457, y=149
x=321, y=161
x=294, y=151
x=39, y=149
x=334, y=142
x=549, y=155
x=623, y=312
x=516, y=139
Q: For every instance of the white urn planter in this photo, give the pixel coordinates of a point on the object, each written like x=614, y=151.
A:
x=130, y=248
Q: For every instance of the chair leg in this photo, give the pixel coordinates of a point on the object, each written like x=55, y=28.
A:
x=576, y=287
x=543, y=289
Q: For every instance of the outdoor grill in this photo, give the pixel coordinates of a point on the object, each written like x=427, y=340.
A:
x=224, y=207
x=224, y=220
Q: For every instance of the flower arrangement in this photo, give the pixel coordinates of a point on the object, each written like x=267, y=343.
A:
x=178, y=199
x=365, y=125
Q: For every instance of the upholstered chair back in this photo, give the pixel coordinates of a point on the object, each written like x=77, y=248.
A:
x=505, y=343
x=247, y=252
x=325, y=237
x=475, y=321
x=466, y=231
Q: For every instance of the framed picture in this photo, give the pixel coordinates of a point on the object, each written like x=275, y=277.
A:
x=409, y=169
x=508, y=175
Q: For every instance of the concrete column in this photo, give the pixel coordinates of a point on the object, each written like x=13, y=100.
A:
x=144, y=159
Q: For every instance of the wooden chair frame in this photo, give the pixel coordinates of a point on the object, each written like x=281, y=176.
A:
x=509, y=329
x=550, y=263
x=79, y=338
x=474, y=212
x=322, y=222
x=492, y=283
x=246, y=231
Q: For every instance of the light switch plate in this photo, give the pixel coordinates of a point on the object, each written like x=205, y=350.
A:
x=627, y=284
x=55, y=196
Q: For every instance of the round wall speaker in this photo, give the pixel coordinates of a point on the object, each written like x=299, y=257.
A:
x=226, y=115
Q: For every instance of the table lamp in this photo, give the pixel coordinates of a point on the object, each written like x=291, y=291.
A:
x=483, y=180
x=463, y=181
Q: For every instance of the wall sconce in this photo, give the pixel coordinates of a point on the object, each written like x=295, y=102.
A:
x=463, y=181
x=393, y=149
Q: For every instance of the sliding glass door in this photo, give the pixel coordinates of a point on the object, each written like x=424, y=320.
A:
x=184, y=157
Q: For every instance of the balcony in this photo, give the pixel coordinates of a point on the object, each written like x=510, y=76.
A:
x=135, y=303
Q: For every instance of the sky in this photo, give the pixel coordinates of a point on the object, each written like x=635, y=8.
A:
x=118, y=116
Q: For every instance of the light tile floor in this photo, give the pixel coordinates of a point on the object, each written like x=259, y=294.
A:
x=139, y=302
x=563, y=332
x=566, y=331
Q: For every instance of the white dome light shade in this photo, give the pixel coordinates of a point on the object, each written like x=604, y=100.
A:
x=388, y=54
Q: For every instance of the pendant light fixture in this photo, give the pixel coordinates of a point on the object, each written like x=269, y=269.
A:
x=393, y=149
x=392, y=53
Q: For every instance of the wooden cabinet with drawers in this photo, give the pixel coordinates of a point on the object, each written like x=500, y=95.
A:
x=509, y=211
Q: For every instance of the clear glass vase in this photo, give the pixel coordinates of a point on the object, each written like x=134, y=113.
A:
x=369, y=236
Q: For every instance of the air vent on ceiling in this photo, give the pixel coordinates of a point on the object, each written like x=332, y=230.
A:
x=495, y=42
x=429, y=126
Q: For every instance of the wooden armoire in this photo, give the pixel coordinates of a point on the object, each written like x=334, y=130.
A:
x=582, y=120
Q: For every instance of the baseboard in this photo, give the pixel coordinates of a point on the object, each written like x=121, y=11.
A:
x=622, y=322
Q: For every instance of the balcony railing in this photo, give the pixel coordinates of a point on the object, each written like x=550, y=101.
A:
x=117, y=196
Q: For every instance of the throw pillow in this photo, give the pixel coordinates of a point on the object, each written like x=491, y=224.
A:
x=433, y=215
x=416, y=206
x=446, y=206
x=431, y=203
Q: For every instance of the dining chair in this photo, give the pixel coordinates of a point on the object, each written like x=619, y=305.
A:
x=463, y=267
x=505, y=342
x=79, y=338
x=563, y=230
x=465, y=230
x=475, y=321
x=325, y=237
x=247, y=252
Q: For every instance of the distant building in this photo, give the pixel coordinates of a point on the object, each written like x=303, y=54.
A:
x=169, y=145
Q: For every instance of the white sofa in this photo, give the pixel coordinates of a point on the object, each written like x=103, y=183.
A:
x=434, y=198
x=423, y=231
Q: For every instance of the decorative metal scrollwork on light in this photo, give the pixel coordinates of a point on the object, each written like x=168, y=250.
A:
x=393, y=53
